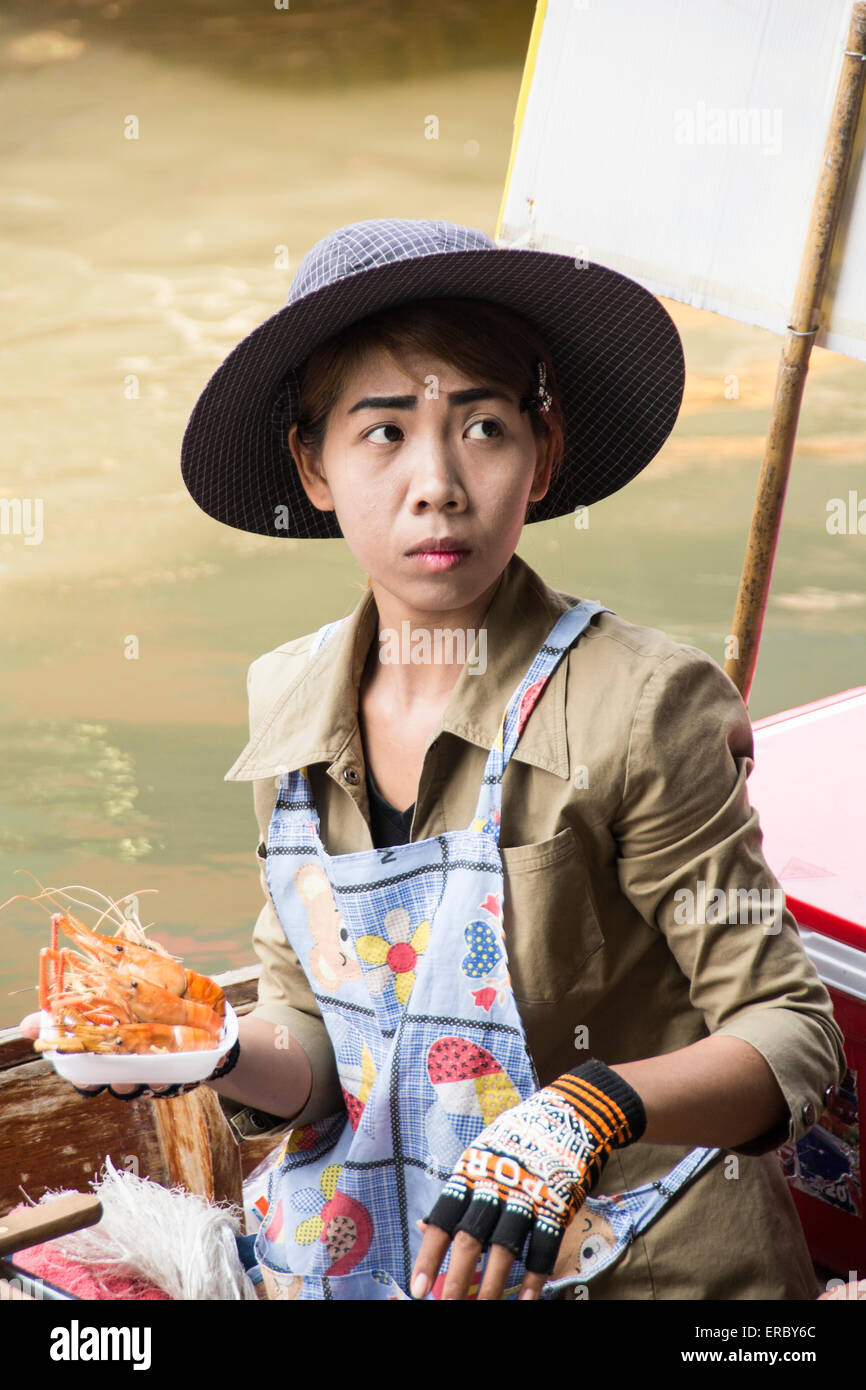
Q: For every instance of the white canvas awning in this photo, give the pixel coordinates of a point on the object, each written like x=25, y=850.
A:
x=681, y=144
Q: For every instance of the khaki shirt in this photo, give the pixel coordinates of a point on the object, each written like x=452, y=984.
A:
x=628, y=785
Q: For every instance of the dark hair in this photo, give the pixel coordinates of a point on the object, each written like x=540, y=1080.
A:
x=484, y=340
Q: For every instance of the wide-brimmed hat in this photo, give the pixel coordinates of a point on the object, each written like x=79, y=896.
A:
x=616, y=353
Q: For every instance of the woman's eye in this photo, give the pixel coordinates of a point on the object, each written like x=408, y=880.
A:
x=484, y=424
x=376, y=428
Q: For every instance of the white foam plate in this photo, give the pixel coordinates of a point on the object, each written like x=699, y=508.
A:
x=165, y=1068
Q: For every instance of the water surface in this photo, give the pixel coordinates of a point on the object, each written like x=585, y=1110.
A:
x=131, y=268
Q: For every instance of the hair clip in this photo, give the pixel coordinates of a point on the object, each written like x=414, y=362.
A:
x=540, y=398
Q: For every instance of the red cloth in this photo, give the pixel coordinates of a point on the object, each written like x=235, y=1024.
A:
x=92, y=1281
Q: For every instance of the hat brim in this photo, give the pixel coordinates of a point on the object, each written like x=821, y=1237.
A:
x=616, y=352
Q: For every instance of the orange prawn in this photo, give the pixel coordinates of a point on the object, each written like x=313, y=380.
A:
x=98, y=994
x=128, y=1038
x=121, y=982
x=142, y=963
x=65, y=991
x=129, y=952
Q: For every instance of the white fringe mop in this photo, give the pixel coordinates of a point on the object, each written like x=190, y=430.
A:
x=180, y=1242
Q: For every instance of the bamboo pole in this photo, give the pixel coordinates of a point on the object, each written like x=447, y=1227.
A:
x=757, y=571
x=48, y=1220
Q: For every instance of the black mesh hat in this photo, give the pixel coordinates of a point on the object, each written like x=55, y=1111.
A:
x=616, y=353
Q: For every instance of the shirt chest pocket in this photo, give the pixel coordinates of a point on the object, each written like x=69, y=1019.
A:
x=551, y=924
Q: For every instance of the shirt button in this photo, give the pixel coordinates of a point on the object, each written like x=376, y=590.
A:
x=350, y=775
x=808, y=1113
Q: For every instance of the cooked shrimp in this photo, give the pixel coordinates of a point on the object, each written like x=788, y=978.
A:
x=139, y=958
x=128, y=1038
x=91, y=990
x=114, y=982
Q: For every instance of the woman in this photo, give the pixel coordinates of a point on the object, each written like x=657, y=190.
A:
x=492, y=996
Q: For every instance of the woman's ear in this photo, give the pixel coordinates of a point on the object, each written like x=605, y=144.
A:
x=545, y=448
x=308, y=464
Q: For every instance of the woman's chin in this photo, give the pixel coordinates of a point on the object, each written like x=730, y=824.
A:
x=434, y=590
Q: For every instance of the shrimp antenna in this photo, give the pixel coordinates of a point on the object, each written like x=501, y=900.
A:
x=112, y=905
x=129, y=927
x=53, y=893
x=26, y=896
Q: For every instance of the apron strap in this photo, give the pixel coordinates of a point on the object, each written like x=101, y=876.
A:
x=668, y=1187
x=323, y=634
x=565, y=632
x=563, y=635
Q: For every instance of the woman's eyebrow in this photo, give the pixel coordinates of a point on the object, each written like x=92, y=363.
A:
x=475, y=393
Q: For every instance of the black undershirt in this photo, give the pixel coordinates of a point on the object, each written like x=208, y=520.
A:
x=388, y=826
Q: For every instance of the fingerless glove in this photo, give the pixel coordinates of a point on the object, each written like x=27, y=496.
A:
x=529, y=1171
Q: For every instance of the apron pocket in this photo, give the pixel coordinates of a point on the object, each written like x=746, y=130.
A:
x=551, y=925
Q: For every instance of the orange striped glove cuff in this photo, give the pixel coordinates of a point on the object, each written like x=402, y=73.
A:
x=612, y=1107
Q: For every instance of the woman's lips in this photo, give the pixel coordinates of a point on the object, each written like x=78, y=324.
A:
x=438, y=559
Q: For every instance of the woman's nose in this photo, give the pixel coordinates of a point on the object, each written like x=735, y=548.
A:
x=435, y=480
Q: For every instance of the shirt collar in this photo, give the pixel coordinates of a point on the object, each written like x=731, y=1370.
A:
x=314, y=716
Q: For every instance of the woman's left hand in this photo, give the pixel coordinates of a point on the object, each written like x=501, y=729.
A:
x=525, y=1176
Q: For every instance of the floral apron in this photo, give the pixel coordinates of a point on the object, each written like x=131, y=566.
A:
x=404, y=950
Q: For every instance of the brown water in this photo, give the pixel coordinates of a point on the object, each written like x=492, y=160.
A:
x=150, y=259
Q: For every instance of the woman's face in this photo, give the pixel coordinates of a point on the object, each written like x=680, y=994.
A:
x=408, y=466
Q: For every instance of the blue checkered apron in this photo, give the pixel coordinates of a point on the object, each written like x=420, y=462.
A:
x=405, y=953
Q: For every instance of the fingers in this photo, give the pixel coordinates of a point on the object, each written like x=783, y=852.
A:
x=133, y=1092
x=29, y=1026
x=507, y=1233
x=496, y=1272
x=460, y=1276
x=543, y=1249
x=128, y=1093
x=430, y=1257
x=532, y=1286
x=461, y=1273
x=461, y=1270
x=484, y=1222
x=451, y=1203
x=471, y=1217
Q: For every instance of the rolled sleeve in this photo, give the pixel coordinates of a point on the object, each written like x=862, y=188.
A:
x=691, y=862
x=285, y=999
